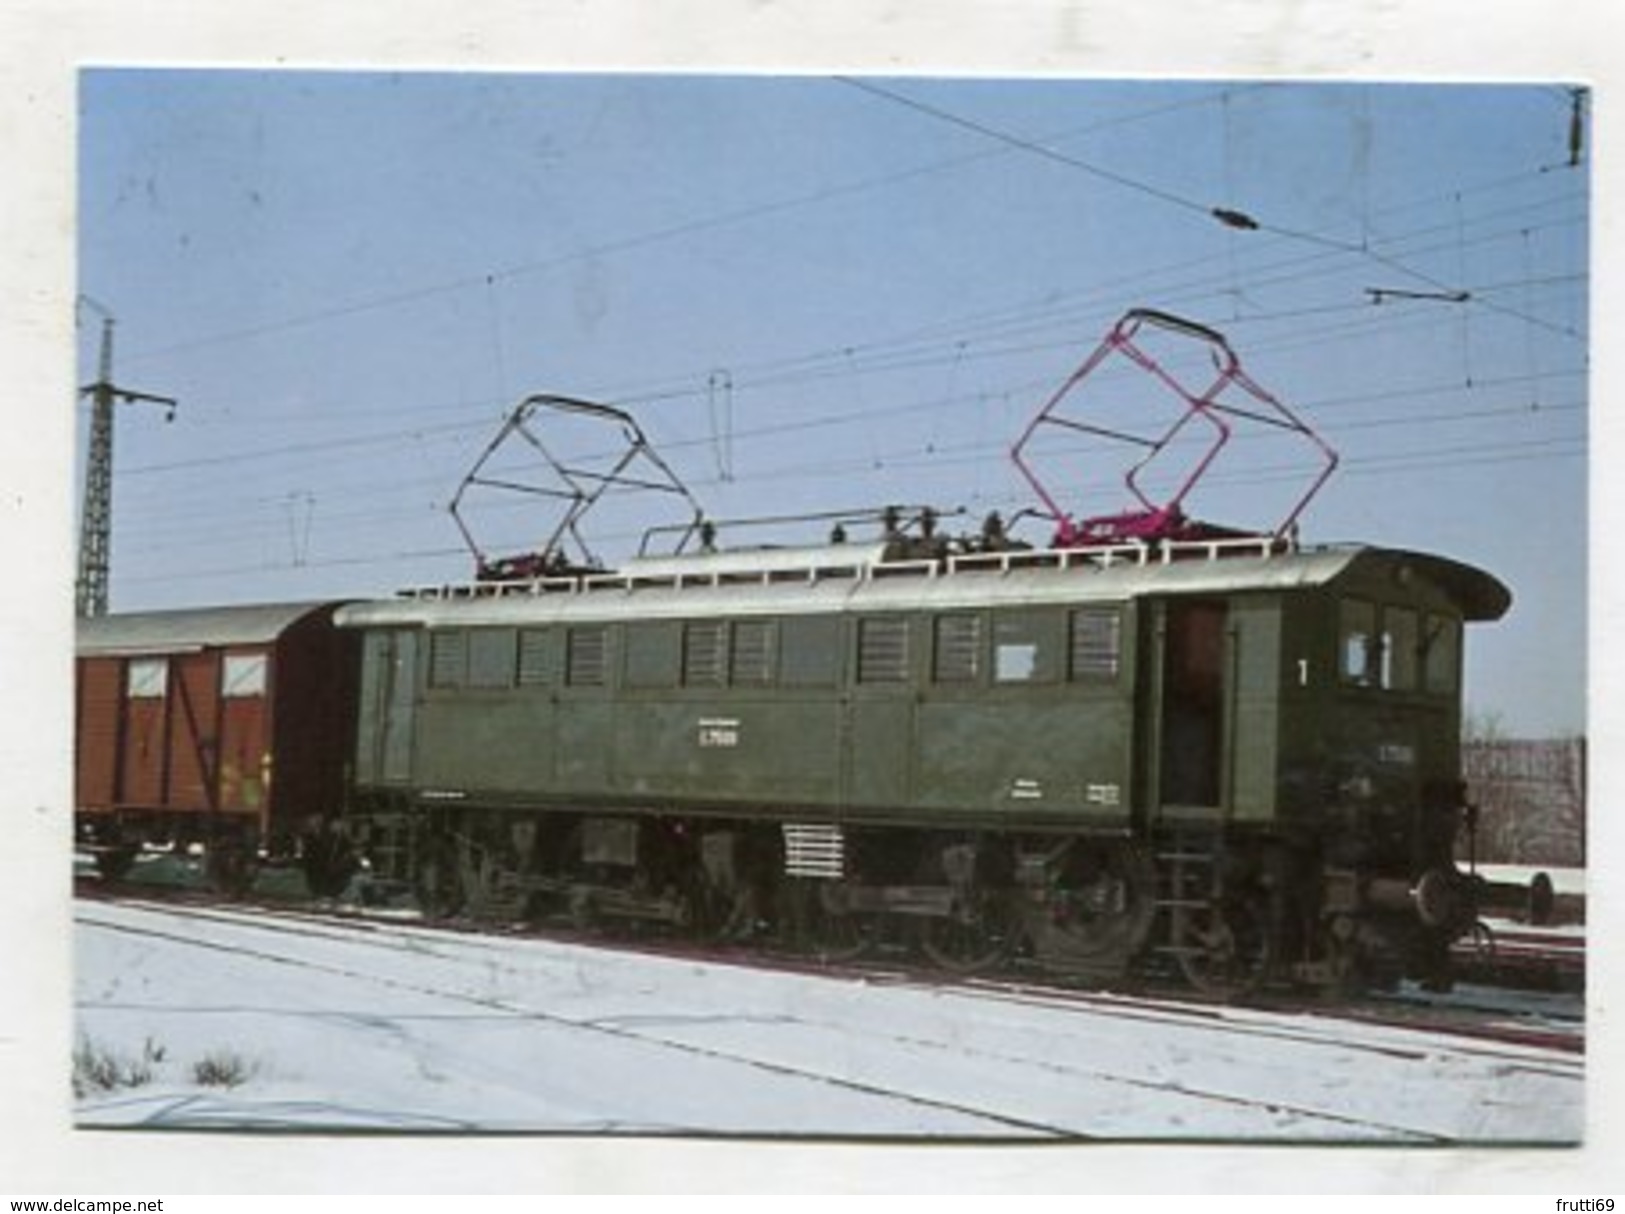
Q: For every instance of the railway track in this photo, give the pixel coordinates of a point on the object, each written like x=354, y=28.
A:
x=1024, y=1086
x=1482, y=1017
x=1510, y=954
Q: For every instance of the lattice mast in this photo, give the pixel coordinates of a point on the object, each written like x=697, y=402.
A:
x=96, y=518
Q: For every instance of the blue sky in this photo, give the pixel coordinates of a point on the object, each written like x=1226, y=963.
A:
x=821, y=293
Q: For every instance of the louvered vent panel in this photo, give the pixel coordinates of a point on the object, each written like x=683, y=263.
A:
x=535, y=658
x=1096, y=643
x=959, y=649
x=703, y=653
x=814, y=850
x=753, y=653
x=448, y=659
x=883, y=650
x=588, y=650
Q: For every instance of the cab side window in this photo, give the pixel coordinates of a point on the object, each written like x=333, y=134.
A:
x=1397, y=648
x=1357, y=642
x=1441, y=654
x=1400, y=640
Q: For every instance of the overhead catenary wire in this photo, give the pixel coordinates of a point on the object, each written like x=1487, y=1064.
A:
x=1226, y=215
x=846, y=355
x=1456, y=458
x=635, y=241
x=1322, y=407
x=957, y=355
x=838, y=364
x=628, y=243
x=977, y=349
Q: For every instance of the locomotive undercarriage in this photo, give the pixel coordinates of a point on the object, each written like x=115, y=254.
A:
x=1227, y=912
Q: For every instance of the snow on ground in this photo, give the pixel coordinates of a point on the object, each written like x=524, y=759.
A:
x=311, y=1025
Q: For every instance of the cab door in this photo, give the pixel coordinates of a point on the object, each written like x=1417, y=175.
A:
x=1214, y=715
x=387, y=718
x=1193, y=688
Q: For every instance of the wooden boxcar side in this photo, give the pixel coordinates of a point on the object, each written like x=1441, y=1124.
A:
x=207, y=725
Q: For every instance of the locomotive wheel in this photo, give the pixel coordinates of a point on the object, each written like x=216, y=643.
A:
x=1225, y=948
x=1094, y=909
x=836, y=932
x=980, y=929
x=328, y=863
x=974, y=938
x=439, y=885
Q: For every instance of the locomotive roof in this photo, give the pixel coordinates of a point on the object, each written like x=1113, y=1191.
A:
x=857, y=578
x=189, y=629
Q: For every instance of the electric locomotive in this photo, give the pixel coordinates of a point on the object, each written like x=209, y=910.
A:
x=1144, y=743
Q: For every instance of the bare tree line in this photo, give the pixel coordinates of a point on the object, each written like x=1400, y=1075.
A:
x=1531, y=796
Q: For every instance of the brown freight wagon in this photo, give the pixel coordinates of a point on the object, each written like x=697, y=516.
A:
x=227, y=728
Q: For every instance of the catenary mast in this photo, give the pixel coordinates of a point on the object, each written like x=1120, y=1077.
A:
x=96, y=520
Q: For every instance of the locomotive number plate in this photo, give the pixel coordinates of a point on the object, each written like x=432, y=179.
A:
x=718, y=733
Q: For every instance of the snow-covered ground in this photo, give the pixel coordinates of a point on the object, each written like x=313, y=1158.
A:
x=301, y=1024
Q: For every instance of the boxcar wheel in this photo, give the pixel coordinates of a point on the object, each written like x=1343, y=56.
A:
x=114, y=863
x=232, y=868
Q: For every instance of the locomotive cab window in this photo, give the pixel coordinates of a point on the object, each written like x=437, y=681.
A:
x=1441, y=654
x=1400, y=638
x=1357, y=642
x=242, y=676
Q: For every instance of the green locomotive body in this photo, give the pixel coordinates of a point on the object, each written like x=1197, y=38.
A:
x=1231, y=755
